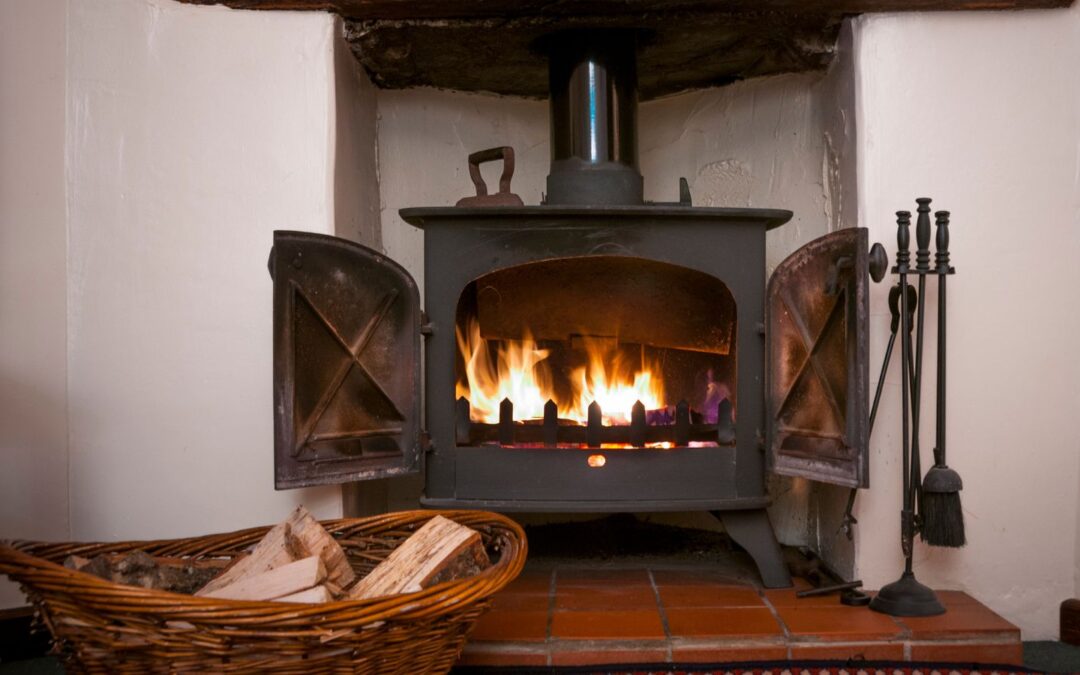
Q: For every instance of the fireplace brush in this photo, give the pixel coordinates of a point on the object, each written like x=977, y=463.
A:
x=942, y=517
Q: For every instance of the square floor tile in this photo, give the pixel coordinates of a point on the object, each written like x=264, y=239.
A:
x=709, y=595
x=480, y=656
x=561, y=656
x=785, y=597
x=851, y=624
x=530, y=582
x=694, y=577
x=504, y=600
x=606, y=597
x=716, y=654
x=592, y=576
x=880, y=651
x=949, y=598
x=726, y=622
x=1011, y=654
x=511, y=625
x=600, y=625
x=959, y=620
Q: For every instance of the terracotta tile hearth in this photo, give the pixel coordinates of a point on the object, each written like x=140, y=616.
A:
x=570, y=615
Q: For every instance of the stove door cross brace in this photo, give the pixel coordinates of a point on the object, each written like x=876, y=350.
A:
x=811, y=344
x=354, y=350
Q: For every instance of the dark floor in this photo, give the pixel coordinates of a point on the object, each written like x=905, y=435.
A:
x=1052, y=657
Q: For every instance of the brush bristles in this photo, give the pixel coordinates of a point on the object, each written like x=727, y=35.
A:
x=942, y=519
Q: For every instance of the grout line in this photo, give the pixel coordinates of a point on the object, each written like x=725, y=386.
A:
x=905, y=632
x=776, y=615
x=663, y=614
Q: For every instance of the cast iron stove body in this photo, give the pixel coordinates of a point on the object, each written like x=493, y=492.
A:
x=756, y=376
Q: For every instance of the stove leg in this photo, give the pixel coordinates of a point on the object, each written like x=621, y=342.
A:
x=752, y=530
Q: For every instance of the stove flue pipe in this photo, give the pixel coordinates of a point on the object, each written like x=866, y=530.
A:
x=594, y=155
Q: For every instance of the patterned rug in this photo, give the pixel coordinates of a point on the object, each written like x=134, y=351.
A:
x=762, y=668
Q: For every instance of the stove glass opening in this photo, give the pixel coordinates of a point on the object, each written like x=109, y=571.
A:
x=596, y=352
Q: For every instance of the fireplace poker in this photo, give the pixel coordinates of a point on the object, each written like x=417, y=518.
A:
x=943, y=518
x=903, y=259
x=849, y=520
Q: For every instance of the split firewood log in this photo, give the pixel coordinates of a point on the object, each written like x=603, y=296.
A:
x=311, y=595
x=441, y=550
x=298, y=537
x=283, y=581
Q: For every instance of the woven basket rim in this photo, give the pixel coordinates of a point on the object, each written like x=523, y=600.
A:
x=13, y=553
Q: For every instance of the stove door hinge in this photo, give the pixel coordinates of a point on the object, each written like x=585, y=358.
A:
x=426, y=444
x=426, y=328
x=760, y=440
x=760, y=328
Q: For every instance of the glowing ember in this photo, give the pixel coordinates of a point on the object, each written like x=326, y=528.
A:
x=517, y=370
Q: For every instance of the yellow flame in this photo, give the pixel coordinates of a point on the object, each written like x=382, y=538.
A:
x=513, y=374
x=518, y=371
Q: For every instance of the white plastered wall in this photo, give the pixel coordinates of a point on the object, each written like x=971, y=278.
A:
x=981, y=111
x=149, y=149
x=193, y=133
x=33, y=363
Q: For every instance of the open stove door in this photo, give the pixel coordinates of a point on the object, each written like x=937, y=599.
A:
x=817, y=354
x=346, y=363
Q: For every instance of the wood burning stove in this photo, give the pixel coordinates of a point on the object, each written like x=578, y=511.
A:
x=592, y=353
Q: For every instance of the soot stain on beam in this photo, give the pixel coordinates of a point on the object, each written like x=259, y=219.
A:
x=678, y=52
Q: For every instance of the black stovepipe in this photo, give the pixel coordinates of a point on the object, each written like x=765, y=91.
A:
x=593, y=82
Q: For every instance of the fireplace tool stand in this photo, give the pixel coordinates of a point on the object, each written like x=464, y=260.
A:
x=907, y=596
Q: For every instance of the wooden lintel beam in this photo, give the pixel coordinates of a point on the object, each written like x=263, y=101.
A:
x=487, y=45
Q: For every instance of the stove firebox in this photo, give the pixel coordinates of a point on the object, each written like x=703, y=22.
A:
x=593, y=353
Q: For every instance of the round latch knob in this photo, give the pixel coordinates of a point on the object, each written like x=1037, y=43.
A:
x=879, y=262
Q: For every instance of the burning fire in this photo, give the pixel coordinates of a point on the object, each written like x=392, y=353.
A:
x=518, y=371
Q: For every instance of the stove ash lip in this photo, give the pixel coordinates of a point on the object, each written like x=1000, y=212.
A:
x=418, y=216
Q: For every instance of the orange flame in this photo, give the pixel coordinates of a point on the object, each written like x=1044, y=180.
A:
x=518, y=371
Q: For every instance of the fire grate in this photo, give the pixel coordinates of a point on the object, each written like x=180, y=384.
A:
x=552, y=432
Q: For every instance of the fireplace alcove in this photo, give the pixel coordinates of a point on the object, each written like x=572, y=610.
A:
x=593, y=264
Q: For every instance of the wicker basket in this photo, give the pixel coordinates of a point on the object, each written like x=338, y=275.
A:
x=102, y=627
